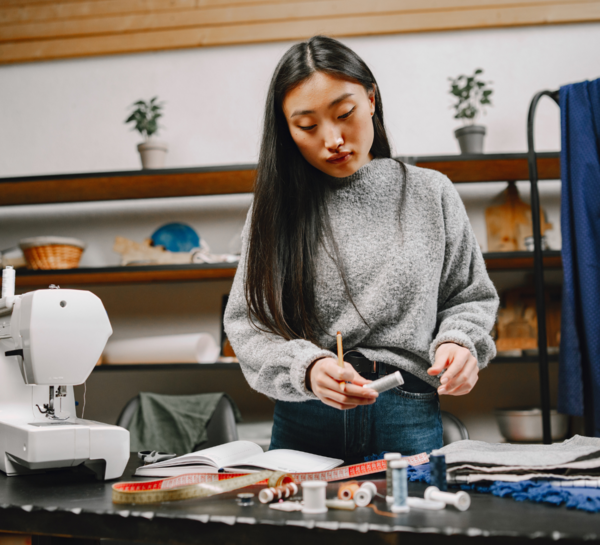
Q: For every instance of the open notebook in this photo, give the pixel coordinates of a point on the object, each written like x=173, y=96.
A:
x=239, y=457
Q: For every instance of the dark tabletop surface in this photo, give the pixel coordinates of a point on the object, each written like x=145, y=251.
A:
x=73, y=503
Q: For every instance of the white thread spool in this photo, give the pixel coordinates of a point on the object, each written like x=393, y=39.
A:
x=364, y=495
x=429, y=505
x=8, y=282
x=267, y=495
x=389, y=487
x=400, y=486
x=460, y=500
x=313, y=494
x=386, y=383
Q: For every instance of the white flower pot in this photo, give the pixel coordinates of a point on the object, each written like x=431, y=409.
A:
x=153, y=153
x=470, y=138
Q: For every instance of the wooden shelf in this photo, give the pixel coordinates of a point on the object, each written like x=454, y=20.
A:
x=126, y=275
x=511, y=261
x=236, y=366
x=231, y=179
x=490, y=168
x=168, y=367
x=500, y=261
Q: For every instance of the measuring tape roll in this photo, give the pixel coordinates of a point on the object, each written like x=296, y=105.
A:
x=159, y=491
x=204, y=485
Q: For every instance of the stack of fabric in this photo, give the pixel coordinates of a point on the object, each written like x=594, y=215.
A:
x=565, y=473
x=577, y=458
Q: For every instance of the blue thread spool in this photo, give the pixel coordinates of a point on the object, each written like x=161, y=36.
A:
x=438, y=471
x=400, y=486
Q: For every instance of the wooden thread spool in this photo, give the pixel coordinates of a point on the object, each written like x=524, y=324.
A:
x=346, y=491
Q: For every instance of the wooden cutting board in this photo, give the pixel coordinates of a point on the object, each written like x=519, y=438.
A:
x=509, y=223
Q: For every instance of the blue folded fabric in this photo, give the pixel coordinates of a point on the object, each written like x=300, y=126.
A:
x=584, y=499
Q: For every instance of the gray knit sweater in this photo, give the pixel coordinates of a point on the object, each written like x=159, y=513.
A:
x=414, y=270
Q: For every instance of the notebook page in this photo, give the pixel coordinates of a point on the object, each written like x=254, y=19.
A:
x=220, y=456
x=291, y=461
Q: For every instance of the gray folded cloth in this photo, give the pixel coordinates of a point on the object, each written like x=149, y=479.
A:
x=173, y=423
x=580, y=452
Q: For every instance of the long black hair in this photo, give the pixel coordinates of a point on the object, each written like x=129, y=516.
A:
x=289, y=215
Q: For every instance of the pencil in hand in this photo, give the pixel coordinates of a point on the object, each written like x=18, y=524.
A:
x=340, y=351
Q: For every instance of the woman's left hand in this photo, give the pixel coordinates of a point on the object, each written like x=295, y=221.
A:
x=461, y=370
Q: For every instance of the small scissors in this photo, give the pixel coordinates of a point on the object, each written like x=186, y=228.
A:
x=153, y=456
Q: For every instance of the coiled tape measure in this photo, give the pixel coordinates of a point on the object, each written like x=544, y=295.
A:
x=204, y=485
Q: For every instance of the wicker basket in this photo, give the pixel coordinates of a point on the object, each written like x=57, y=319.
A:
x=52, y=252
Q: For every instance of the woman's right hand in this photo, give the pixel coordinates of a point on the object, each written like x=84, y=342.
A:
x=331, y=384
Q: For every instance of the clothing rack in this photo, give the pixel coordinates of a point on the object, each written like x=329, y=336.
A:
x=538, y=272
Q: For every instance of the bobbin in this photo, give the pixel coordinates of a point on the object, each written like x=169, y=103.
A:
x=364, y=495
x=461, y=500
x=400, y=486
x=386, y=383
x=389, y=488
x=313, y=493
x=428, y=505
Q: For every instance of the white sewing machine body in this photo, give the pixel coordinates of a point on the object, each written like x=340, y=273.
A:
x=50, y=340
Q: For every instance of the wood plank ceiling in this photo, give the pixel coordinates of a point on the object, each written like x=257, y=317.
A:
x=33, y=30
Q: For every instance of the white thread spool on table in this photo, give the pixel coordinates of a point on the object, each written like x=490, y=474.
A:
x=460, y=500
x=364, y=495
x=389, y=487
x=313, y=494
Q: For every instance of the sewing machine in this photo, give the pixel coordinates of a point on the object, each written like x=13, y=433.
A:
x=50, y=340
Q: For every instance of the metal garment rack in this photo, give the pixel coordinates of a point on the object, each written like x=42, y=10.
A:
x=538, y=266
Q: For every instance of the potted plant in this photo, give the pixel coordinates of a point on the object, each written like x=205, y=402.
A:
x=472, y=95
x=145, y=116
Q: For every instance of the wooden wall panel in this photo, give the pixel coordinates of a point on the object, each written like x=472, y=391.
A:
x=33, y=30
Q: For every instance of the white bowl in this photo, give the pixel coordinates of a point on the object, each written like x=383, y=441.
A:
x=525, y=424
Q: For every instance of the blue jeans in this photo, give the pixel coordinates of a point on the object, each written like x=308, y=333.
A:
x=401, y=420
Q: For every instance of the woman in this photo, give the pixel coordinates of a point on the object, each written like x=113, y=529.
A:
x=341, y=237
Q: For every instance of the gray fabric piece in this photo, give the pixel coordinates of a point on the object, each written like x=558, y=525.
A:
x=417, y=277
x=578, y=451
x=173, y=423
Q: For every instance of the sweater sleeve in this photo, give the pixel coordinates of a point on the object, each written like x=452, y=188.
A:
x=272, y=365
x=467, y=299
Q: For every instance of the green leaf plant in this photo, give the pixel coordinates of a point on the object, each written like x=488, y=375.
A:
x=145, y=116
x=472, y=95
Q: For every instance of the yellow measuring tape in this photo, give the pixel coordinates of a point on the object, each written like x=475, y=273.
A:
x=185, y=488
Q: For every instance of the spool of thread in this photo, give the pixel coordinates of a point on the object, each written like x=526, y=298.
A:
x=276, y=493
x=438, y=471
x=313, y=494
x=389, y=487
x=8, y=282
x=460, y=500
x=245, y=499
x=364, y=495
x=428, y=505
x=386, y=383
x=347, y=490
x=400, y=486
x=347, y=505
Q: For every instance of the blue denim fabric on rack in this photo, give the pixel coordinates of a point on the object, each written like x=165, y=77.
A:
x=580, y=225
x=399, y=421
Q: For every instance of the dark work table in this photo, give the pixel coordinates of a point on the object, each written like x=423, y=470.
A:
x=74, y=504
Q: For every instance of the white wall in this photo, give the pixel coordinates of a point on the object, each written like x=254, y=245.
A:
x=67, y=116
